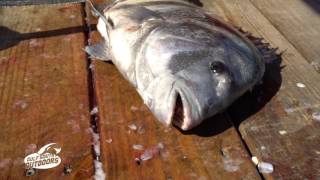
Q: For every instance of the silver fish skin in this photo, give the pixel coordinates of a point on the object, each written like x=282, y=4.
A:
x=186, y=63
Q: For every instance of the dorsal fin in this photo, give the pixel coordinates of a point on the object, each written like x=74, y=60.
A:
x=97, y=10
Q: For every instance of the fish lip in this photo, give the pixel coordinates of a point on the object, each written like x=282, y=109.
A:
x=172, y=103
x=187, y=122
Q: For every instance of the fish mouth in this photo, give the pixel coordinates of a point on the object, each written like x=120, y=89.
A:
x=181, y=114
x=178, y=112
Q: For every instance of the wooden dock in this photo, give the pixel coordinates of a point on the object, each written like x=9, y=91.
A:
x=48, y=87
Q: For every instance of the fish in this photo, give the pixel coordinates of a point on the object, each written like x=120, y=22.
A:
x=186, y=63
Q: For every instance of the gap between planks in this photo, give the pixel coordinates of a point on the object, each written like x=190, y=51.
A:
x=94, y=118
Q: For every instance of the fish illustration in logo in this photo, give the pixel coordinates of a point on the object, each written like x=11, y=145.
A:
x=45, y=158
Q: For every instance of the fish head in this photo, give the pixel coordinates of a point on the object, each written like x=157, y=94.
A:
x=194, y=94
x=197, y=82
x=201, y=90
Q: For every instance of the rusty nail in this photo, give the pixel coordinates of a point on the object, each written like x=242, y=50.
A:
x=67, y=169
x=30, y=172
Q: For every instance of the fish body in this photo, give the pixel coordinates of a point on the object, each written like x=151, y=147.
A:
x=186, y=63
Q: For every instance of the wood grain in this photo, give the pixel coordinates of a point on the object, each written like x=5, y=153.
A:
x=43, y=90
x=44, y=99
x=298, y=21
x=276, y=118
x=212, y=151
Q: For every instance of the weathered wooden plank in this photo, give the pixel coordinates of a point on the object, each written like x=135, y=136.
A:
x=43, y=90
x=299, y=22
x=212, y=151
x=276, y=118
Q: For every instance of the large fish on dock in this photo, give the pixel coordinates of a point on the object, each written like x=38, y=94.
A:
x=186, y=63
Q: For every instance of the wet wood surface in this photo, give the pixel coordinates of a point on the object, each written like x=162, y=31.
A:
x=43, y=90
x=47, y=92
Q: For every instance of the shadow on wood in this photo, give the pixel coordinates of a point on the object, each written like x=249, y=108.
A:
x=251, y=102
x=11, y=38
x=313, y=4
x=210, y=127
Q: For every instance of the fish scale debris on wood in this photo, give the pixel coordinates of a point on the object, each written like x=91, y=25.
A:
x=185, y=62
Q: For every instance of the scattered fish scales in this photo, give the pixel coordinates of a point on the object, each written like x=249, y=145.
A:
x=137, y=147
x=94, y=111
x=134, y=108
x=300, y=85
x=265, y=167
x=99, y=172
x=133, y=127
x=109, y=140
x=154, y=151
x=283, y=132
x=255, y=160
x=148, y=154
x=316, y=116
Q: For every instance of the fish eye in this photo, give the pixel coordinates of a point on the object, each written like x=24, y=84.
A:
x=216, y=67
x=110, y=22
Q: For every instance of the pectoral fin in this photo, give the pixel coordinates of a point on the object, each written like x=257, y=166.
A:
x=99, y=51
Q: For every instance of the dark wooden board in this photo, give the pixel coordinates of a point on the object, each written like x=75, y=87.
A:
x=44, y=90
x=212, y=151
x=276, y=118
